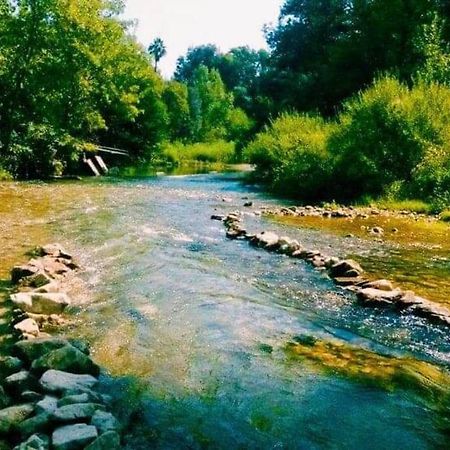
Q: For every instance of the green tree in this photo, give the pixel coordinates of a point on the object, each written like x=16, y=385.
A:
x=158, y=50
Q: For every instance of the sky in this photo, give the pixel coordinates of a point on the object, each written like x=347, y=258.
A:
x=187, y=23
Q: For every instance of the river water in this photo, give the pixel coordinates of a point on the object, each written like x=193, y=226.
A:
x=193, y=328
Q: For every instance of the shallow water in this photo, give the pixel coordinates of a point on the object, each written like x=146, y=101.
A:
x=194, y=328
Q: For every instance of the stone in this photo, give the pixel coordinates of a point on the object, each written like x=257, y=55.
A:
x=40, y=303
x=217, y=217
x=248, y=204
x=76, y=412
x=36, y=280
x=47, y=405
x=50, y=288
x=9, y=365
x=23, y=271
x=59, y=381
x=35, y=442
x=267, y=240
x=41, y=423
x=30, y=396
x=20, y=382
x=377, y=230
x=382, y=285
x=32, y=350
x=28, y=326
x=342, y=268
x=11, y=417
x=377, y=297
x=4, y=398
x=73, y=437
x=77, y=398
x=107, y=441
x=67, y=359
x=348, y=281
x=104, y=421
x=56, y=250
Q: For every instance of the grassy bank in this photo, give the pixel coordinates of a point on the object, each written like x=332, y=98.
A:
x=209, y=152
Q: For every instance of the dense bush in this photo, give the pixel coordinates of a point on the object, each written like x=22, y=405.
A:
x=219, y=151
x=292, y=155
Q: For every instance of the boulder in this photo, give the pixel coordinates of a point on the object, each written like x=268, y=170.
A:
x=9, y=365
x=76, y=412
x=217, y=217
x=59, y=381
x=56, y=250
x=67, y=359
x=73, y=437
x=267, y=240
x=36, y=280
x=4, y=398
x=344, y=268
x=20, y=382
x=378, y=297
x=76, y=398
x=104, y=421
x=31, y=350
x=30, y=396
x=50, y=288
x=107, y=441
x=382, y=285
x=23, y=271
x=47, y=405
x=11, y=417
x=35, y=442
x=41, y=423
x=41, y=303
x=28, y=326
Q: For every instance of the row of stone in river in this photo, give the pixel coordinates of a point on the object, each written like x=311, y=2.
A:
x=48, y=397
x=344, y=272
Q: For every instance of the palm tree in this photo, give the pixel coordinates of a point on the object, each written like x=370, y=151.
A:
x=157, y=49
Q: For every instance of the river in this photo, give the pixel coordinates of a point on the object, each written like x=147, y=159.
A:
x=193, y=328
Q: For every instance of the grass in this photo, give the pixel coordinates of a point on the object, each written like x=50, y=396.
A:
x=208, y=152
x=445, y=215
x=417, y=206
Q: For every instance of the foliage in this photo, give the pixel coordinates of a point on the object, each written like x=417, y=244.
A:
x=157, y=50
x=292, y=155
x=218, y=151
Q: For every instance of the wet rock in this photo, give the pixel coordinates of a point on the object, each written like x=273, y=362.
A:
x=30, y=396
x=217, y=217
x=9, y=365
x=267, y=240
x=348, y=281
x=248, y=204
x=104, y=421
x=382, y=285
x=55, y=250
x=377, y=230
x=342, y=268
x=31, y=350
x=73, y=437
x=36, y=280
x=11, y=417
x=41, y=423
x=20, y=382
x=67, y=359
x=107, y=441
x=47, y=405
x=35, y=442
x=76, y=412
x=28, y=326
x=377, y=297
x=50, y=288
x=306, y=254
x=59, y=381
x=52, y=303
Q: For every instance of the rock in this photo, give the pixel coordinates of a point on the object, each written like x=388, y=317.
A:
x=76, y=412
x=59, y=381
x=342, y=268
x=104, y=421
x=382, y=285
x=248, y=204
x=11, y=417
x=32, y=350
x=73, y=437
x=19, y=272
x=28, y=326
x=41, y=423
x=107, y=441
x=71, y=399
x=348, y=281
x=217, y=217
x=36, y=280
x=39, y=303
x=267, y=240
x=377, y=230
x=67, y=359
x=47, y=405
x=20, y=382
x=30, y=396
x=377, y=297
x=55, y=250
x=4, y=398
x=9, y=365
x=305, y=254
x=35, y=442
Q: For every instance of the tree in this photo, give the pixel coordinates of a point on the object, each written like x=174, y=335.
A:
x=158, y=50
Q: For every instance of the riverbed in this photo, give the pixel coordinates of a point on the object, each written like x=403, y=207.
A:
x=194, y=328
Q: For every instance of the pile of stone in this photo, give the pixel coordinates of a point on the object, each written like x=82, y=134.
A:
x=344, y=272
x=48, y=396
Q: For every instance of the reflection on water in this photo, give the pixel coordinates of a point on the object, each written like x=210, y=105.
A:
x=194, y=327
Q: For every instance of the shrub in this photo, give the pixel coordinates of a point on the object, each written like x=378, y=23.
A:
x=219, y=151
x=292, y=156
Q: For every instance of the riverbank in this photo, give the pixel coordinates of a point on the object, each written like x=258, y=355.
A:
x=48, y=396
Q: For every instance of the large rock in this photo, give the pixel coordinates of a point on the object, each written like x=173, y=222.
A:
x=27, y=326
x=41, y=303
x=31, y=350
x=11, y=417
x=382, y=285
x=107, y=441
x=41, y=423
x=4, y=398
x=20, y=382
x=23, y=271
x=56, y=250
x=267, y=240
x=73, y=437
x=47, y=405
x=35, y=442
x=378, y=297
x=346, y=268
x=59, y=381
x=77, y=412
x=67, y=359
x=104, y=421
x=37, y=280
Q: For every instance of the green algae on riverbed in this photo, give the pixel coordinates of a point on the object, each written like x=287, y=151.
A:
x=414, y=254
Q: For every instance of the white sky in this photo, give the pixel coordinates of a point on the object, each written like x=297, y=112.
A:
x=187, y=23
